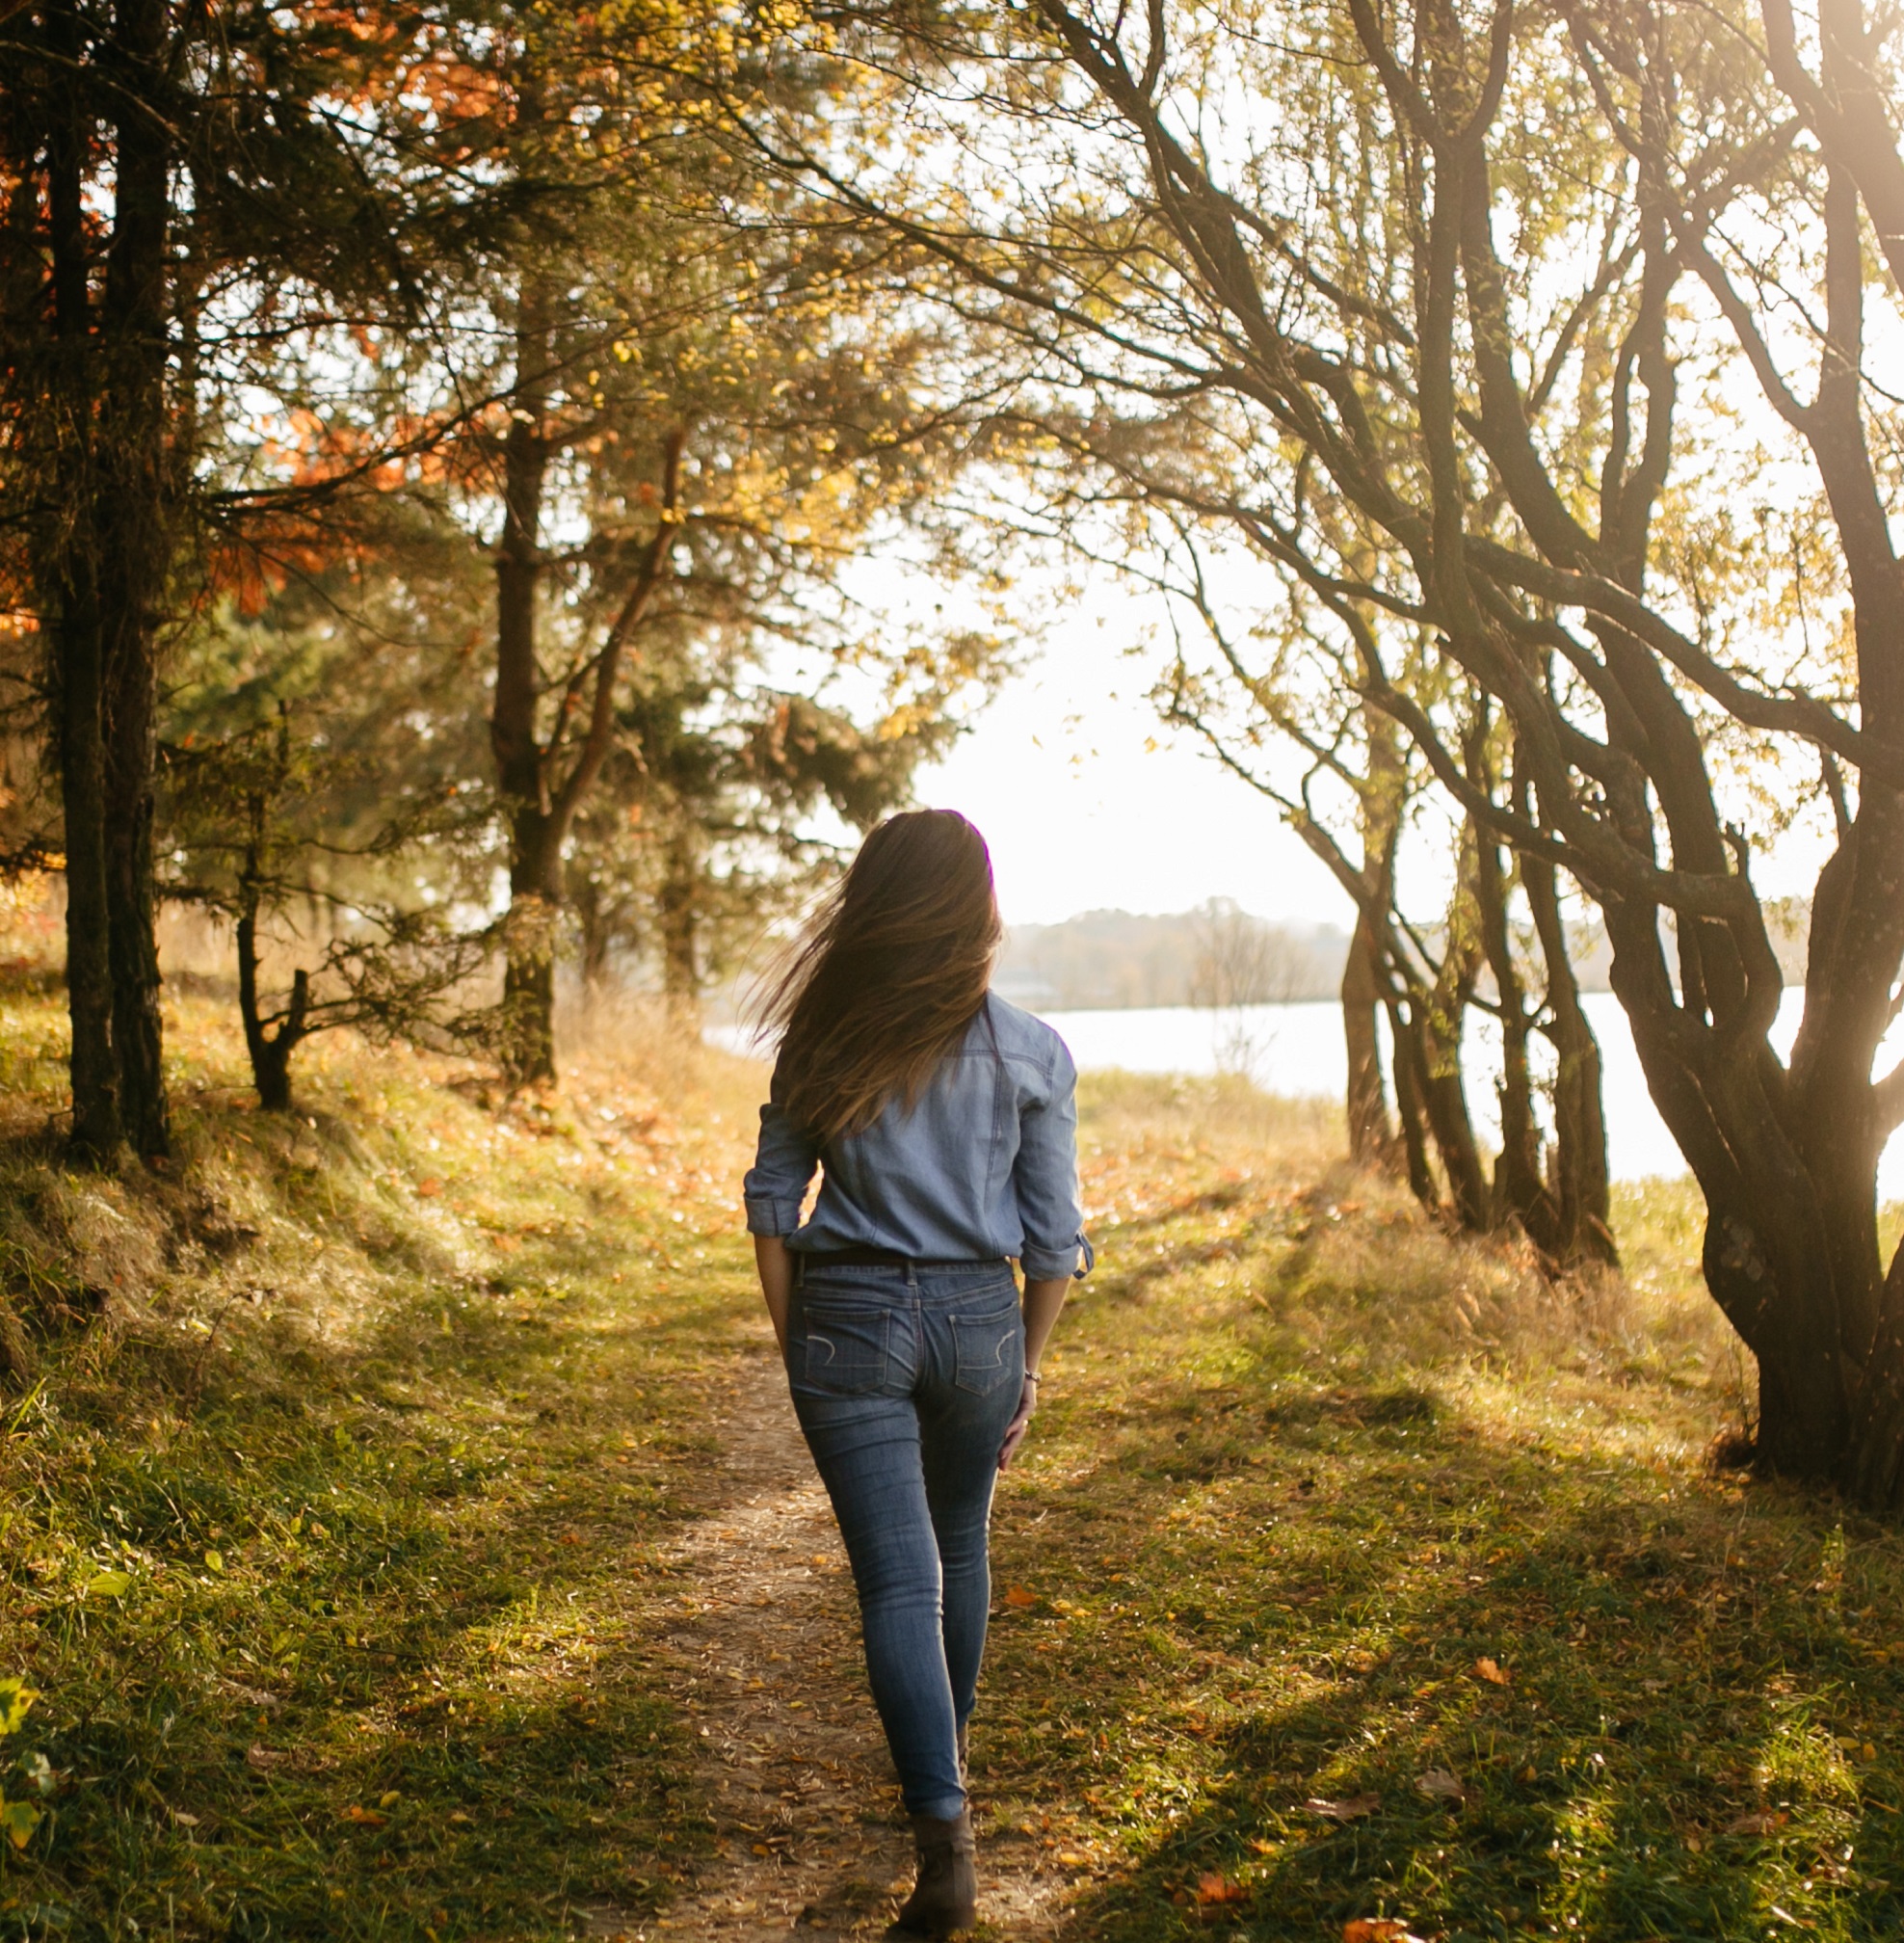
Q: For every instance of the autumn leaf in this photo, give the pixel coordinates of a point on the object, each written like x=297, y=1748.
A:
x=1441, y=1784
x=1214, y=1888
x=429, y=1187
x=368, y=1818
x=1491, y=1671
x=16, y=1698
x=106, y=1586
x=18, y=1821
x=1377, y=1930
x=1758, y=1822
x=1352, y=1809
x=1020, y=1596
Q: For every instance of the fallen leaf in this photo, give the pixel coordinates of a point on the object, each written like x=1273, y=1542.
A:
x=461, y=1819
x=1020, y=1596
x=369, y=1817
x=390, y=1799
x=1758, y=1822
x=265, y=1758
x=429, y=1187
x=15, y=1697
x=1214, y=1888
x=1441, y=1784
x=215, y=1561
x=1491, y=1671
x=183, y=1820
x=1377, y=1930
x=1351, y=1810
x=1530, y=1772
x=18, y=1821
x=107, y=1586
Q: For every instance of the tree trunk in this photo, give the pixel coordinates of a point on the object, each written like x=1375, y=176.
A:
x=1371, y=1138
x=1409, y=1067
x=132, y=522
x=592, y=915
x=1434, y=1051
x=1520, y=1187
x=529, y=941
x=1768, y=1255
x=1577, y=1173
x=1439, y=1017
x=680, y=925
x=270, y=1051
x=65, y=563
x=96, y=1126
x=528, y=1018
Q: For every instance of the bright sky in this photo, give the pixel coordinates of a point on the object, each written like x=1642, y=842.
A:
x=1081, y=816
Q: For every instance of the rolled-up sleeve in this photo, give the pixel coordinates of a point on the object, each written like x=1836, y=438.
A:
x=781, y=1173
x=1045, y=1176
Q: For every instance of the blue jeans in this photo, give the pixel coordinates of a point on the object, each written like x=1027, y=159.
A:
x=903, y=1379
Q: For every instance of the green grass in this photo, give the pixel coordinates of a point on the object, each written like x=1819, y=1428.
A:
x=1306, y=1473
x=331, y=1547
x=340, y=1465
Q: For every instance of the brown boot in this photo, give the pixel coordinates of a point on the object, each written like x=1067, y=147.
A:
x=946, y=1897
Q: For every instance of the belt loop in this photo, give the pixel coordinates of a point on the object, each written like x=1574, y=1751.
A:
x=911, y=1276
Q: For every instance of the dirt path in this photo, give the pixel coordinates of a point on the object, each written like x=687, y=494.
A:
x=810, y=1837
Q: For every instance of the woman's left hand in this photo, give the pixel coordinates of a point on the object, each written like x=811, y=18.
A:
x=1020, y=1423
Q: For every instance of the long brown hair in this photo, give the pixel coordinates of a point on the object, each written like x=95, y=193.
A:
x=888, y=975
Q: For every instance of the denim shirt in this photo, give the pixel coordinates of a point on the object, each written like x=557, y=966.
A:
x=984, y=1166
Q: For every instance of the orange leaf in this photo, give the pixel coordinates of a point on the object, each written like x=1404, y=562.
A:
x=1020, y=1596
x=429, y=1187
x=1377, y=1930
x=368, y=1817
x=1493, y=1672
x=1759, y=1822
x=1220, y=1889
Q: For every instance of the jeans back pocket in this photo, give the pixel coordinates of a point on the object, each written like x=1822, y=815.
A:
x=844, y=1345
x=988, y=1350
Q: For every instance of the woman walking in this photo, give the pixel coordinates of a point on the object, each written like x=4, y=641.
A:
x=946, y=1124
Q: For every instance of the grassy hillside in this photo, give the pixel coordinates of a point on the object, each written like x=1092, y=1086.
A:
x=1351, y=1573
x=333, y=1469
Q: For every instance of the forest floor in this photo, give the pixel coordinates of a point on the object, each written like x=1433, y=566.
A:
x=404, y=1534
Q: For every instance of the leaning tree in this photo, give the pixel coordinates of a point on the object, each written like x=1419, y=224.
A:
x=1579, y=388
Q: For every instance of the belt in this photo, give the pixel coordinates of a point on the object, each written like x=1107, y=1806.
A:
x=884, y=1257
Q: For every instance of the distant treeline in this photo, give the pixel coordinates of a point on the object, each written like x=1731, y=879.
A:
x=1219, y=955
x=1114, y=959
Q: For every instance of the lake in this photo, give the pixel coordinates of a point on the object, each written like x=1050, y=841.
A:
x=1297, y=1051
